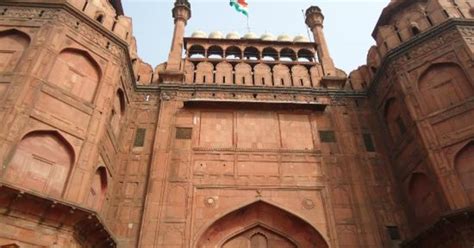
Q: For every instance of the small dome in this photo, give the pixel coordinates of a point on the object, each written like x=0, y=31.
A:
x=199, y=34
x=267, y=36
x=300, y=38
x=233, y=36
x=216, y=35
x=284, y=37
x=250, y=36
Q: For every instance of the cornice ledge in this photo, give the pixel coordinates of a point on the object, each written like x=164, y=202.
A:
x=251, y=89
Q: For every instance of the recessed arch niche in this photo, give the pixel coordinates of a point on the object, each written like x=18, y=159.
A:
x=423, y=198
x=274, y=227
x=13, y=43
x=118, y=111
x=464, y=165
x=443, y=85
x=76, y=72
x=41, y=162
x=98, y=189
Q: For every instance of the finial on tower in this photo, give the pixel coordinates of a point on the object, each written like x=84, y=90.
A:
x=314, y=20
x=181, y=10
x=314, y=16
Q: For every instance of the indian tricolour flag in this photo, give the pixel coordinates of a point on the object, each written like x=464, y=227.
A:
x=240, y=6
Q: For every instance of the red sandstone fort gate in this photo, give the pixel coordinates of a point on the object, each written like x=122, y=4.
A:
x=244, y=142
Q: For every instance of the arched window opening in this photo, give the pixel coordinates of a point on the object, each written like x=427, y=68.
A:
x=423, y=198
x=76, y=72
x=258, y=240
x=287, y=54
x=118, y=111
x=393, y=119
x=233, y=52
x=215, y=52
x=41, y=162
x=13, y=43
x=464, y=165
x=100, y=18
x=251, y=53
x=269, y=54
x=442, y=86
x=305, y=55
x=196, y=52
x=98, y=189
x=415, y=29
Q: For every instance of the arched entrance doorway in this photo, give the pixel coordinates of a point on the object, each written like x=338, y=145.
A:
x=260, y=225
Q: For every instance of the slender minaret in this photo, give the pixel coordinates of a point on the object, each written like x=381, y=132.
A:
x=181, y=15
x=314, y=20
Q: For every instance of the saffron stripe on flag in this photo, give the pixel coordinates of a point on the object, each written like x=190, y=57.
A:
x=238, y=7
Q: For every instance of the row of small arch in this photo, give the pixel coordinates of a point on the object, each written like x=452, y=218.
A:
x=251, y=53
x=244, y=74
x=249, y=36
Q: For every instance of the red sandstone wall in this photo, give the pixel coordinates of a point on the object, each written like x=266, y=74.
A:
x=65, y=90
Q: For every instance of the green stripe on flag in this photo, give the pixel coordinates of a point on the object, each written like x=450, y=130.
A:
x=238, y=7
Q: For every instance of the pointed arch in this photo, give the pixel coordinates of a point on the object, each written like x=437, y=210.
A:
x=118, y=111
x=393, y=118
x=76, y=72
x=261, y=214
x=13, y=43
x=259, y=236
x=41, y=162
x=99, y=16
x=423, y=198
x=98, y=189
x=464, y=166
x=443, y=85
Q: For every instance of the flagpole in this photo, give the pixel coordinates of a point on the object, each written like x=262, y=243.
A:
x=248, y=24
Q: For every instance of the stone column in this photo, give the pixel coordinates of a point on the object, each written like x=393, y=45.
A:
x=181, y=15
x=314, y=20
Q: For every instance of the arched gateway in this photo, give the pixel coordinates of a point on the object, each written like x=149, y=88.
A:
x=260, y=225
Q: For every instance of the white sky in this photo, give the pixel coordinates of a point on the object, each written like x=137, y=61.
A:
x=348, y=24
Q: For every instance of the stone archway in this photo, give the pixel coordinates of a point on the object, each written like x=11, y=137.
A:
x=260, y=225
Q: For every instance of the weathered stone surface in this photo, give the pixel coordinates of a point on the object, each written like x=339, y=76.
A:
x=241, y=143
